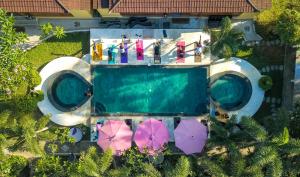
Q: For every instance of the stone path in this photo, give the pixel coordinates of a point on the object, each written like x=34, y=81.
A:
x=267, y=69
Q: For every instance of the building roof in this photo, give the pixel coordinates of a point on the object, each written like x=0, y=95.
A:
x=137, y=6
x=32, y=6
x=261, y=4
x=187, y=6
x=77, y=4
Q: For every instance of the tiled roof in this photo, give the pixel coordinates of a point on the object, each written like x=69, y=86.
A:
x=32, y=6
x=261, y=4
x=186, y=6
x=77, y=4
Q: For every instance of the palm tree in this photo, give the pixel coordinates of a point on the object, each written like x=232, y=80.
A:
x=95, y=164
x=247, y=149
x=226, y=41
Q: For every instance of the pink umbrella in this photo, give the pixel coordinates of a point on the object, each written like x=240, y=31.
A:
x=151, y=135
x=114, y=135
x=190, y=136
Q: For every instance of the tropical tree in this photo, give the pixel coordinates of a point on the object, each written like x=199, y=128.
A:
x=23, y=132
x=226, y=41
x=288, y=27
x=247, y=149
x=94, y=163
x=280, y=20
x=11, y=166
x=294, y=123
x=50, y=165
x=48, y=29
x=15, y=69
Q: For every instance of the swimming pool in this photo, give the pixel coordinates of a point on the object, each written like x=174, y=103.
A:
x=68, y=90
x=230, y=91
x=151, y=90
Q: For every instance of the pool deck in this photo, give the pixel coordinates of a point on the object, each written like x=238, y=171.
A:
x=80, y=115
x=149, y=36
x=136, y=120
x=248, y=70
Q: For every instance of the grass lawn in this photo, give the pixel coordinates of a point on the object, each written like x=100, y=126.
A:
x=74, y=44
x=266, y=56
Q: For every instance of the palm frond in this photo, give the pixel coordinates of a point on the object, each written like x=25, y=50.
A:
x=252, y=128
x=119, y=172
x=274, y=169
x=282, y=138
x=236, y=160
x=211, y=167
x=292, y=148
x=263, y=156
x=150, y=170
x=105, y=161
x=181, y=169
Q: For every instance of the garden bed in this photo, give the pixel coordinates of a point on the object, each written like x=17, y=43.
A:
x=266, y=56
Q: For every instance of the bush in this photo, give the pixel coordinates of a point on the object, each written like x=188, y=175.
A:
x=35, y=79
x=265, y=83
x=12, y=165
x=28, y=103
x=244, y=53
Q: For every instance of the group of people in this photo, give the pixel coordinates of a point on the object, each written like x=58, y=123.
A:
x=198, y=48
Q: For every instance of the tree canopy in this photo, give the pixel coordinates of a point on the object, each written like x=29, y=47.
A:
x=282, y=20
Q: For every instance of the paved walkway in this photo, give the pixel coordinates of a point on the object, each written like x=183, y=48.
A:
x=248, y=70
x=248, y=29
x=81, y=114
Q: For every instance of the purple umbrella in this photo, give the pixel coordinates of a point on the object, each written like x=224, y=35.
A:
x=151, y=135
x=190, y=136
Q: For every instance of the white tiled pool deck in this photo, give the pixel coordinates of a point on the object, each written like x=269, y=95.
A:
x=149, y=36
x=80, y=115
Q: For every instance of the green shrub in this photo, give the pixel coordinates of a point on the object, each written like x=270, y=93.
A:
x=28, y=103
x=12, y=165
x=244, y=53
x=35, y=78
x=265, y=83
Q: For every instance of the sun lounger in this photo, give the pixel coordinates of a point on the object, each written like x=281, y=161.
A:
x=139, y=50
x=124, y=56
x=136, y=19
x=147, y=23
x=180, y=52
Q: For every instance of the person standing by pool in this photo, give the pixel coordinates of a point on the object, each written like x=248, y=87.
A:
x=198, y=49
x=181, y=51
x=95, y=48
x=122, y=48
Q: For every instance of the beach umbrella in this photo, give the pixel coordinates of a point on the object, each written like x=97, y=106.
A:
x=115, y=135
x=75, y=133
x=151, y=135
x=190, y=136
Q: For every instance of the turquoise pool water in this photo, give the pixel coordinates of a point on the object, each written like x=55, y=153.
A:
x=68, y=91
x=230, y=91
x=149, y=90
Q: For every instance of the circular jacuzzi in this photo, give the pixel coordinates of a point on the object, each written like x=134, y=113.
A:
x=67, y=90
x=230, y=91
